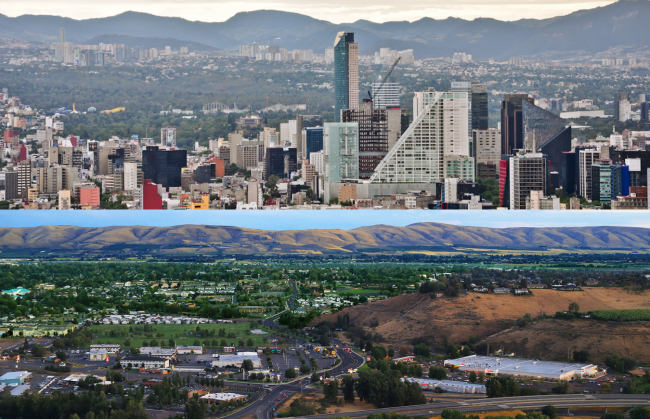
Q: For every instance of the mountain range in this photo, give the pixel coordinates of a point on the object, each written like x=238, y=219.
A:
x=620, y=24
x=202, y=239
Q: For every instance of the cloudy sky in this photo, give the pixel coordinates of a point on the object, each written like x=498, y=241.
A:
x=302, y=220
x=337, y=11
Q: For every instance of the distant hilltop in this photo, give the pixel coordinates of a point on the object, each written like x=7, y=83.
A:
x=623, y=23
x=219, y=240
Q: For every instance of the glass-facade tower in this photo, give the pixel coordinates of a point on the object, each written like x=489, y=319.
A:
x=346, y=73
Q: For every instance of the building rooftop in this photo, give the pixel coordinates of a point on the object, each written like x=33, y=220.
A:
x=15, y=375
x=222, y=397
x=500, y=364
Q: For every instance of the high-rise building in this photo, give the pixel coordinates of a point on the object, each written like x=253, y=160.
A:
x=645, y=111
x=280, y=161
x=168, y=137
x=549, y=134
x=340, y=155
x=387, y=97
x=587, y=158
x=487, y=152
x=619, y=97
x=609, y=181
x=130, y=176
x=512, y=134
x=346, y=73
x=438, y=130
x=527, y=172
x=373, y=136
x=64, y=199
x=313, y=140
x=11, y=186
x=163, y=166
x=479, y=107
x=59, y=51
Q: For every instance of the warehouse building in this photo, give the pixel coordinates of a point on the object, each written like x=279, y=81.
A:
x=448, y=385
x=237, y=360
x=15, y=378
x=98, y=355
x=523, y=368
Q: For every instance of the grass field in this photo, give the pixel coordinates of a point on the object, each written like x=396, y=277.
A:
x=183, y=334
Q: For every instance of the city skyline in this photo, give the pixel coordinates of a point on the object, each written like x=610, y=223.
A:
x=336, y=12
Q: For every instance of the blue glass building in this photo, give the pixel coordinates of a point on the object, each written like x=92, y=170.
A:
x=313, y=140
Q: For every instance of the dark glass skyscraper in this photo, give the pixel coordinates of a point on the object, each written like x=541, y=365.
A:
x=479, y=106
x=346, y=73
x=511, y=123
x=313, y=140
x=163, y=166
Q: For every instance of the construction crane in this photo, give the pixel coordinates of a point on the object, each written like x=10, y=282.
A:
x=390, y=71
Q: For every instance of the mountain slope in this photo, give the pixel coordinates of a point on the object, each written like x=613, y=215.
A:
x=223, y=239
x=592, y=30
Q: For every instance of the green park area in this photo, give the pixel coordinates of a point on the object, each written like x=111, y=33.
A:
x=167, y=335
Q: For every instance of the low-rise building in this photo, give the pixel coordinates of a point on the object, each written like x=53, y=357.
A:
x=158, y=352
x=111, y=349
x=185, y=350
x=217, y=398
x=15, y=378
x=237, y=360
x=146, y=362
x=98, y=355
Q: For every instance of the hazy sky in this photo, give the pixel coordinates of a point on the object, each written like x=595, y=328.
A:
x=337, y=11
x=302, y=220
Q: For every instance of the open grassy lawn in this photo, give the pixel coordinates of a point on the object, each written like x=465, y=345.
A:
x=183, y=334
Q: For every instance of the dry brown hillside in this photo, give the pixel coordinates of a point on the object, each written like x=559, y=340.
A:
x=555, y=339
x=414, y=315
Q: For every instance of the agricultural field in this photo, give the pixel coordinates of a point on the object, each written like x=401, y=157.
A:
x=628, y=315
x=209, y=335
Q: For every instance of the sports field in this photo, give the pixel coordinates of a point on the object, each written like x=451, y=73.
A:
x=210, y=335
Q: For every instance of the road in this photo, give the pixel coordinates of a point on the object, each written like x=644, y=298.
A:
x=263, y=407
x=510, y=403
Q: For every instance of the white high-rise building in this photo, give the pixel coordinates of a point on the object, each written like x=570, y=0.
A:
x=316, y=159
x=60, y=47
x=130, y=176
x=585, y=160
x=438, y=135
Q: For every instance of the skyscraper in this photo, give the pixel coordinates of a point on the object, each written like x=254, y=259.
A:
x=435, y=139
x=388, y=96
x=512, y=122
x=618, y=98
x=60, y=47
x=479, y=106
x=373, y=136
x=346, y=73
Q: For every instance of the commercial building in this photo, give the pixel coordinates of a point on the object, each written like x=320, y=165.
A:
x=185, y=350
x=609, y=181
x=280, y=161
x=346, y=73
x=163, y=166
x=387, y=97
x=373, y=136
x=439, y=130
x=168, y=137
x=145, y=362
x=479, y=102
x=15, y=378
x=523, y=368
x=217, y=398
x=526, y=172
x=487, y=152
x=237, y=360
x=151, y=200
x=621, y=99
x=111, y=349
x=512, y=122
x=313, y=140
x=448, y=385
x=587, y=157
x=98, y=355
x=157, y=352
x=340, y=155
